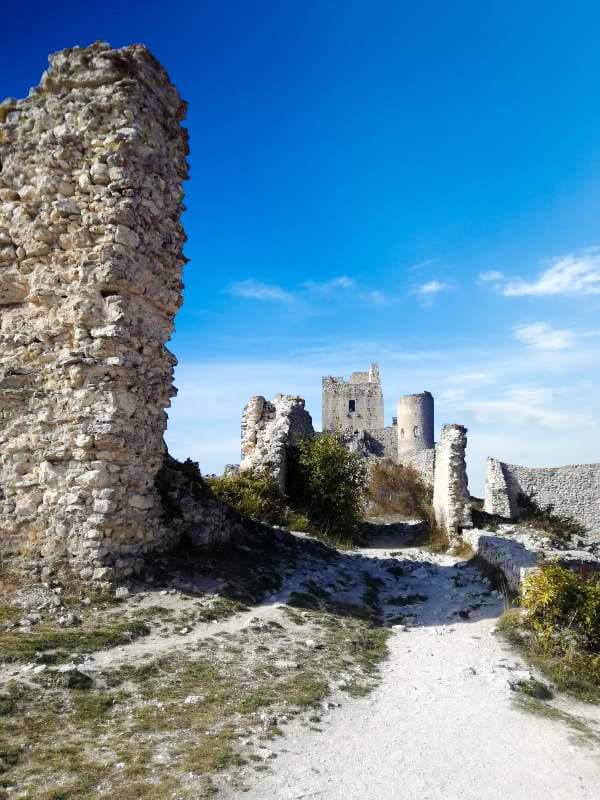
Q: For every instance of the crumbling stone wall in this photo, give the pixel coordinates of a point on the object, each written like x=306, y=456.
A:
x=269, y=429
x=573, y=490
x=92, y=165
x=451, y=503
x=423, y=462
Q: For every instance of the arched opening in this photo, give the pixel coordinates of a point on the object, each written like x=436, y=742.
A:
x=416, y=431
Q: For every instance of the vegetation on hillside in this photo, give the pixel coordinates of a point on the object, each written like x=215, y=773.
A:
x=256, y=495
x=328, y=484
x=326, y=490
x=558, y=628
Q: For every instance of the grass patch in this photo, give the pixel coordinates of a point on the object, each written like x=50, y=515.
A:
x=533, y=705
x=25, y=647
x=575, y=673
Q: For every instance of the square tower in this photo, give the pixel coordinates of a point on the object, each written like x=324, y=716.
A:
x=355, y=405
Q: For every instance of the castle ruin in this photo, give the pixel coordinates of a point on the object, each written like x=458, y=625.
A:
x=92, y=164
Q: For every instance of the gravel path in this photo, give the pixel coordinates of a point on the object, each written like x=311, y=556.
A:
x=441, y=725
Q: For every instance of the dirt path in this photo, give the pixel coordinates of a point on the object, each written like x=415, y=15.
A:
x=442, y=723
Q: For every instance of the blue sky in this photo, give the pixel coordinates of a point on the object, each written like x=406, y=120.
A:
x=411, y=183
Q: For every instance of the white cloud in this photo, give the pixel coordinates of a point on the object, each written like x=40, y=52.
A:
x=343, y=282
x=492, y=275
x=256, y=290
x=569, y=275
x=431, y=288
x=541, y=336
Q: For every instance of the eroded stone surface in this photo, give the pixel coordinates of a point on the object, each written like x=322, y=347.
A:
x=92, y=165
x=268, y=430
x=451, y=501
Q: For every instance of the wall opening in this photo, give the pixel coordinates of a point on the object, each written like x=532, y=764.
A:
x=416, y=431
x=352, y=405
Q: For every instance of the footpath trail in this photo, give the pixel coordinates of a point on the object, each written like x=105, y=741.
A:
x=442, y=724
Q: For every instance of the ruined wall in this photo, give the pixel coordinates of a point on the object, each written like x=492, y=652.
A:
x=573, y=490
x=354, y=405
x=268, y=429
x=92, y=165
x=423, y=461
x=451, y=504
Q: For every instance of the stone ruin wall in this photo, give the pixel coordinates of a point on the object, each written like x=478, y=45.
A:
x=573, y=490
x=451, y=501
x=92, y=166
x=269, y=429
x=423, y=461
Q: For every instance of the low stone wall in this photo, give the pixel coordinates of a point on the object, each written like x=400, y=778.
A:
x=517, y=553
x=451, y=502
x=268, y=430
x=572, y=490
x=191, y=510
x=382, y=442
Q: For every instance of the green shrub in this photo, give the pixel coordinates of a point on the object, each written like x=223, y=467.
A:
x=560, y=526
x=255, y=494
x=563, y=606
x=328, y=484
x=397, y=489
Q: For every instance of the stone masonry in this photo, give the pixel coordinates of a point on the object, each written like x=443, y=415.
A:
x=572, y=490
x=451, y=501
x=268, y=429
x=355, y=405
x=92, y=165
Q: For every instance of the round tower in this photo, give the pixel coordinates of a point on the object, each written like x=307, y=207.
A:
x=415, y=422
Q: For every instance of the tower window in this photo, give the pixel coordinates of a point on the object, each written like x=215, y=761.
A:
x=402, y=433
x=416, y=431
x=352, y=405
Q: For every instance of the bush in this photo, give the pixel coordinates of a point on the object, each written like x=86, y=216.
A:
x=328, y=484
x=563, y=607
x=560, y=526
x=398, y=489
x=255, y=494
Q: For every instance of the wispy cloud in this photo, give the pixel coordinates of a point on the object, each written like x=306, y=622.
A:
x=541, y=336
x=572, y=274
x=420, y=265
x=256, y=290
x=343, y=282
x=492, y=275
x=377, y=297
x=431, y=288
x=525, y=405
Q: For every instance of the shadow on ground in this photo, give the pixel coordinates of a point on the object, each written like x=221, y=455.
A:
x=391, y=580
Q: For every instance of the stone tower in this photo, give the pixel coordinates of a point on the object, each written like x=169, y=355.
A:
x=415, y=422
x=91, y=172
x=355, y=405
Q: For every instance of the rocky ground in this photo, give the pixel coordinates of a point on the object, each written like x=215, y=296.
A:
x=283, y=669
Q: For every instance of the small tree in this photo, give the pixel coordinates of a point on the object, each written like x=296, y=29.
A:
x=328, y=483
